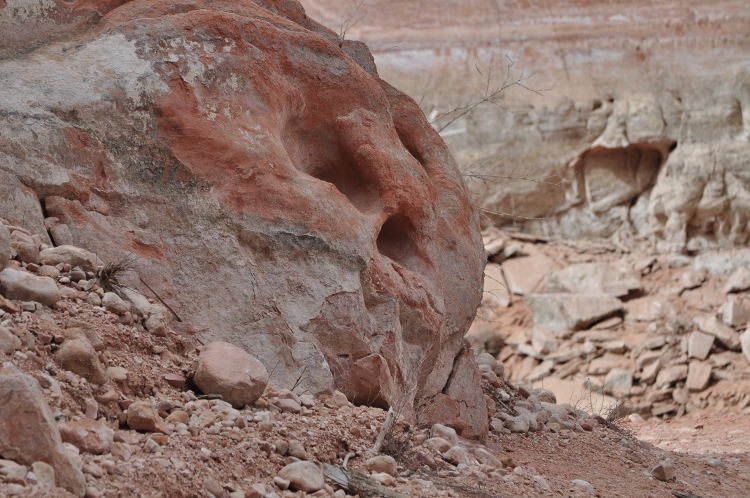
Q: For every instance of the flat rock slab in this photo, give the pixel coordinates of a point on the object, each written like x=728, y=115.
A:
x=594, y=278
x=646, y=309
x=526, y=274
x=699, y=376
x=23, y=286
x=738, y=281
x=564, y=312
x=699, y=345
x=726, y=335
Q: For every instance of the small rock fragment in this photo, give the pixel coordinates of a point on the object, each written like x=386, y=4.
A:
x=213, y=487
x=114, y=303
x=699, y=376
x=664, y=471
x=79, y=356
x=28, y=433
x=158, y=320
x=541, y=484
x=26, y=249
x=87, y=435
x=8, y=342
x=45, y=474
x=67, y=254
x=447, y=433
x=382, y=463
x=585, y=485
x=143, y=417
x=296, y=449
x=738, y=281
x=454, y=455
x=339, y=399
x=437, y=444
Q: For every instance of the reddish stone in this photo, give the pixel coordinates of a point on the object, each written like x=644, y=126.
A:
x=175, y=380
x=87, y=435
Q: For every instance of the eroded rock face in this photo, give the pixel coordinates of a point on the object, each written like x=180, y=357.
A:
x=278, y=194
x=642, y=129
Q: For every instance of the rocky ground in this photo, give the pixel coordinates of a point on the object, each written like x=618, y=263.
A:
x=106, y=387
x=597, y=323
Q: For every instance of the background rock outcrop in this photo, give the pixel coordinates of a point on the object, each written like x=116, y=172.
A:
x=637, y=125
x=277, y=193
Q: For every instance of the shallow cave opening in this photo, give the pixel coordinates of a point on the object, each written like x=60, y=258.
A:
x=617, y=176
x=396, y=241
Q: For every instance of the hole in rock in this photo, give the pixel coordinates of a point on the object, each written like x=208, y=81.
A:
x=396, y=241
x=616, y=176
x=320, y=155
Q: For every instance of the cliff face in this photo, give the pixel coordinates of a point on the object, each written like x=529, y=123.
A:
x=642, y=115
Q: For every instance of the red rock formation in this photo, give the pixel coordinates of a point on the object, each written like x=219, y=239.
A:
x=642, y=116
x=279, y=194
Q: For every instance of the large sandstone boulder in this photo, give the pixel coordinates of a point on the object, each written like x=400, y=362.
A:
x=279, y=195
x=28, y=433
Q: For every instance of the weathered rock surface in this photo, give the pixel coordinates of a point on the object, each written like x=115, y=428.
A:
x=143, y=417
x=244, y=141
x=593, y=278
x=28, y=433
x=24, y=246
x=8, y=342
x=564, y=312
x=72, y=255
x=228, y=370
x=79, y=356
x=22, y=286
x=6, y=250
x=462, y=406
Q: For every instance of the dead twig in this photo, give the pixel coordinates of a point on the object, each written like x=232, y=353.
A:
x=177, y=317
x=358, y=483
x=354, y=18
x=489, y=94
x=383, y=431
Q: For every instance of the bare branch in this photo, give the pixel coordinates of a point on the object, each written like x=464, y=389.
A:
x=489, y=94
x=354, y=18
x=509, y=215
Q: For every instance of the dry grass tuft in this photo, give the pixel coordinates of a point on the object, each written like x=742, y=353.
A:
x=109, y=277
